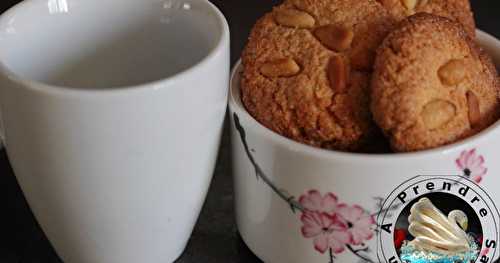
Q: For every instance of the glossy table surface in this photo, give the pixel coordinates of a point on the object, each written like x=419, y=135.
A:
x=215, y=238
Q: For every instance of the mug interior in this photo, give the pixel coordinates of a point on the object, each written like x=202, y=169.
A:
x=489, y=43
x=106, y=44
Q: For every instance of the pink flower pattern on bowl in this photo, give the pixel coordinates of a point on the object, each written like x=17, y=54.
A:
x=332, y=225
x=327, y=231
x=360, y=224
x=472, y=165
x=314, y=201
x=337, y=227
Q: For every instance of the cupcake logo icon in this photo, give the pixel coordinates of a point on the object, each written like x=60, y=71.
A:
x=437, y=236
x=440, y=219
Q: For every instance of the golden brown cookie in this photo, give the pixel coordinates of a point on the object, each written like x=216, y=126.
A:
x=432, y=85
x=307, y=70
x=457, y=10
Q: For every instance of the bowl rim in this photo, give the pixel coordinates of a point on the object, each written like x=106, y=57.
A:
x=236, y=106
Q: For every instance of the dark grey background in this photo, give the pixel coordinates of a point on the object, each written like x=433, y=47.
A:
x=215, y=238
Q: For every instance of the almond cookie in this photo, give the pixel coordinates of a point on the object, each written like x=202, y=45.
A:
x=457, y=10
x=432, y=85
x=307, y=69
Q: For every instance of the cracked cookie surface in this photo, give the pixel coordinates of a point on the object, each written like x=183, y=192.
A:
x=457, y=10
x=307, y=69
x=432, y=85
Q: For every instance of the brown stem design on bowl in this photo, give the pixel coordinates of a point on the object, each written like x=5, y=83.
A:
x=331, y=255
x=290, y=199
x=292, y=202
x=357, y=253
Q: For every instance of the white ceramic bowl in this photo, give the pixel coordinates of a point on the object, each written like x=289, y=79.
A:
x=297, y=203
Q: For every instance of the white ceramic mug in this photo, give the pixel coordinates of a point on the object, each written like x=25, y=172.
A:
x=296, y=203
x=113, y=112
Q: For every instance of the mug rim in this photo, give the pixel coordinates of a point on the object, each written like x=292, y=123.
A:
x=40, y=86
x=236, y=104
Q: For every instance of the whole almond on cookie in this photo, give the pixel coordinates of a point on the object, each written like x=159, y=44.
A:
x=474, y=109
x=286, y=67
x=338, y=74
x=437, y=113
x=334, y=37
x=294, y=18
x=453, y=72
x=410, y=4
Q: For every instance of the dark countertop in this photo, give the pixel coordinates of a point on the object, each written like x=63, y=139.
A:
x=215, y=238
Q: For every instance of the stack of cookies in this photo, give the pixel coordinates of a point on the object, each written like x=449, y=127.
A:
x=351, y=75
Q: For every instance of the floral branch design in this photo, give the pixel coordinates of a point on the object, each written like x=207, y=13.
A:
x=357, y=252
x=336, y=227
x=294, y=205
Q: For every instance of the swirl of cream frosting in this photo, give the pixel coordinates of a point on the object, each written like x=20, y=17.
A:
x=435, y=232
